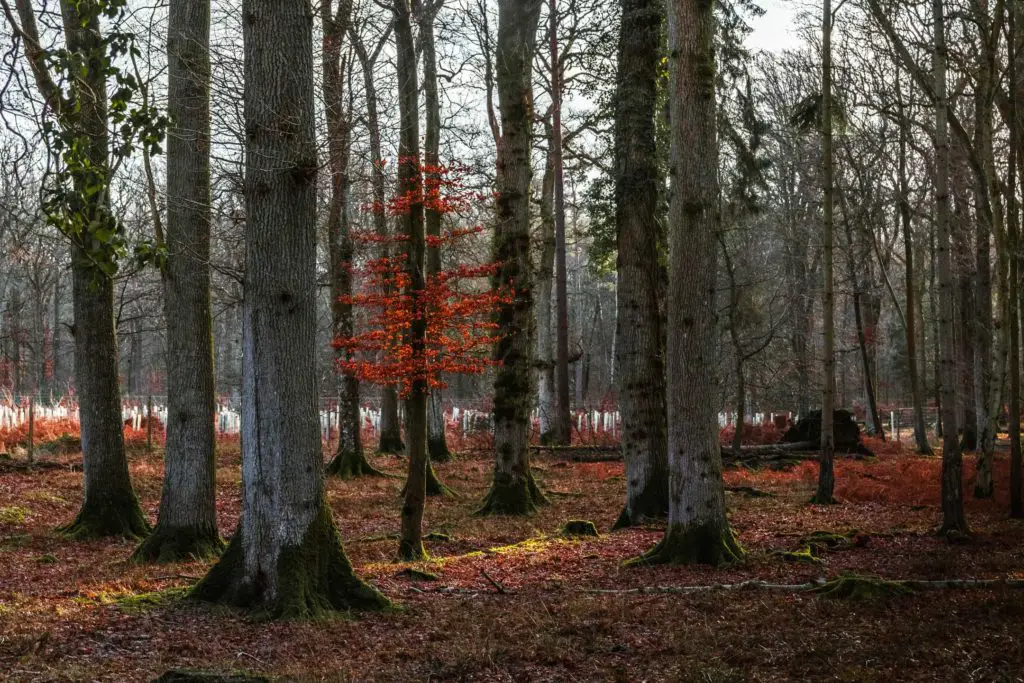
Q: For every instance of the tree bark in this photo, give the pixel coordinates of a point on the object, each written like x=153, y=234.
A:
x=545, y=290
x=953, y=520
x=639, y=358
x=910, y=283
x=514, y=490
x=410, y=185
x=1016, y=161
x=437, y=442
x=349, y=460
x=187, y=525
x=286, y=558
x=698, y=531
x=826, y=475
x=563, y=420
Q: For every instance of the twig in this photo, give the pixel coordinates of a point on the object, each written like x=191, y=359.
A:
x=497, y=585
x=755, y=584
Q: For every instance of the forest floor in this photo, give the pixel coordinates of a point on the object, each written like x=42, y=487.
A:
x=515, y=601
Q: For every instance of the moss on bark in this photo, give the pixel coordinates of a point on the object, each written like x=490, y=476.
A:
x=351, y=464
x=104, y=516
x=510, y=496
x=411, y=551
x=313, y=578
x=650, y=505
x=437, y=448
x=179, y=544
x=712, y=544
x=855, y=587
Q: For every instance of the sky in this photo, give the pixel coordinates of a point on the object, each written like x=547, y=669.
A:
x=776, y=30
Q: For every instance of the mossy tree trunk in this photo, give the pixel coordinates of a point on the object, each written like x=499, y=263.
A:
x=514, y=490
x=187, y=525
x=286, y=558
x=698, y=531
x=638, y=350
x=110, y=507
x=1016, y=165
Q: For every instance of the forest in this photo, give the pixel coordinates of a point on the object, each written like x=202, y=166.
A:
x=511, y=340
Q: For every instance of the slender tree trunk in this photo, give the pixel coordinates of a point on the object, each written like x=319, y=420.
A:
x=187, y=526
x=953, y=520
x=563, y=423
x=286, y=557
x=698, y=531
x=349, y=460
x=437, y=443
x=514, y=490
x=639, y=331
x=910, y=283
x=826, y=476
x=545, y=290
x=862, y=340
x=390, y=425
x=410, y=185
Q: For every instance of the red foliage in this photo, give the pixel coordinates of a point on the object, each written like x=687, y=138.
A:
x=459, y=331
x=765, y=433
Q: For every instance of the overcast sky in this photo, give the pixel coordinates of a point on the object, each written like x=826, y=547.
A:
x=776, y=30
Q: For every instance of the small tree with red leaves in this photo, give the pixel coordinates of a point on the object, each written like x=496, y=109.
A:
x=424, y=322
x=460, y=330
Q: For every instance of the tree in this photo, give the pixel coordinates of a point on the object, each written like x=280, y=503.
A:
x=77, y=129
x=953, y=520
x=349, y=460
x=698, y=531
x=187, y=525
x=826, y=475
x=285, y=558
x=639, y=359
x=514, y=490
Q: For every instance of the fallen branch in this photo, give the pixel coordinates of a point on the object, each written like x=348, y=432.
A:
x=496, y=584
x=756, y=584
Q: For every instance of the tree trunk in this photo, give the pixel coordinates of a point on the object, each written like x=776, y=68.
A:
x=867, y=366
x=187, y=525
x=953, y=520
x=545, y=290
x=349, y=461
x=110, y=507
x=1016, y=162
x=639, y=332
x=437, y=443
x=514, y=490
x=698, y=531
x=563, y=421
x=286, y=558
x=390, y=425
x=826, y=476
x=916, y=388
x=410, y=186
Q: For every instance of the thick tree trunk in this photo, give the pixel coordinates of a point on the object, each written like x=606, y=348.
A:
x=514, y=490
x=349, y=461
x=410, y=186
x=286, y=558
x=110, y=507
x=639, y=332
x=953, y=520
x=826, y=476
x=698, y=531
x=187, y=525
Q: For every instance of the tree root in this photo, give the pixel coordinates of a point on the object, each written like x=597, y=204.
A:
x=812, y=587
x=710, y=544
x=178, y=544
x=350, y=464
x=111, y=516
x=522, y=497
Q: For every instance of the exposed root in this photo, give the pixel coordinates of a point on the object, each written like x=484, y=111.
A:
x=178, y=544
x=710, y=544
x=507, y=497
x=350, y=464
x=105, y=516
